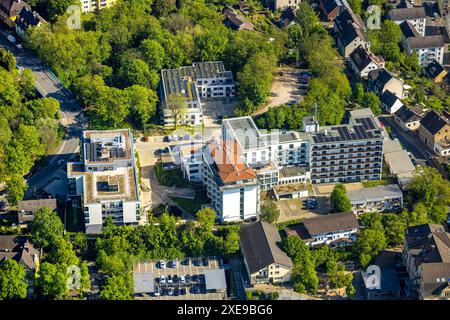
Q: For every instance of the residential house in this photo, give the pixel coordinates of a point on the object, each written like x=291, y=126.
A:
x=21, y=250
x=26, y=209
x=231, y=184
x=350, y=33
x=190, y=158
x=426, y=256
x=9, y=11
x=427, y=49
x=376, y=199
x=435, y=71
x=95, y=5
x=104, y=183
x=390, y=103
x=235, y=21
x=416, y=16
x=361, y=62
x=202, y=80
x=407, y=118
x=381, y=80
x=27, y=19
x=331, y=8
x=434, y=131
x=336, y=230
x=388, y=289
x=264, y=261
x=280, y=4
x=288, y=16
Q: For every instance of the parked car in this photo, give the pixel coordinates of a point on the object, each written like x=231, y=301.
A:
x=188, y=278
x=170, y=292
x=162, y=264
x=201, y=278
x=187, y=137
x=19, y=46
x=176, y=279
x=182, y=279
x=175, y=137
x=182, y=292
x=157, y=292
x=194, y=278
x=173, y=263
x=176, y=292
x=169, y=279
x=195, y=290
x=205, y=262
x=185, y=262
x=162, y=279
x=157, y=152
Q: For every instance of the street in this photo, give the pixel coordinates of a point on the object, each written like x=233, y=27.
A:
x=70, y=110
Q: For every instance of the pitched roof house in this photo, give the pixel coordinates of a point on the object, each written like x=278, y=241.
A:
x=426, y=255
x=407, y=118
x=19, y=249
x=350, y=33
x=236, y=21
x=331, y=8
x=361, y=62
x=381, y=80
x=435, y=71
x=9, y=11
x=263, y=258
x=434, y=131
x=390, y=102
x=26, y=209
x=337, y=229
x=27, y=19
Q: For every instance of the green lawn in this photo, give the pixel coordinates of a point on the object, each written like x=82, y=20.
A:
x=170, y=178
x=192, y=205
x=374, y=183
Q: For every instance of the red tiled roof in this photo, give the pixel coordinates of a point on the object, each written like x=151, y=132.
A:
x=230, y=164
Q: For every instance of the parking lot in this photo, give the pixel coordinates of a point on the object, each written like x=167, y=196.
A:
x=193, y=268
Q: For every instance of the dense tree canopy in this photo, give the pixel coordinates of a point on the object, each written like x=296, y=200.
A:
x=12, y=280
x=339, y=200
x=269, y=211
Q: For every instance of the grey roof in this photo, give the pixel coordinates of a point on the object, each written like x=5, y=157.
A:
x=408, y=30
x=407, y=13
x=363, y=129
x=260, y=244
x=391, y=146
x=349, y=27
x=378, y=193
x=407, y=115
x=143, y=282
x=215, y=279
x=434, y=69
x=360, y=58
x=428, y=243
x=94, y=229
x=399, y=162
x=388, y=280
x=18, y=248
x=434, y=122
x=331, y=223
x=381, y=76
x=388, y=99
x=426, y=42
x=34, y=205
x=435, y=278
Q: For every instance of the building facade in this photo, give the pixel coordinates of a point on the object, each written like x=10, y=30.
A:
x=434, y=131
x=376, y=199
x=95, y=5
x=27, y=19
x=105, y=182
x=202, y=80
x=416, y=16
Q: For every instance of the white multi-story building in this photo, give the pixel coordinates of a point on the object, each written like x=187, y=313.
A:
x=189, y=156
x=231, y=184
x=427, y=48
x=95, y=5
x=105, y=182
x=416, y=16
x=202, y=80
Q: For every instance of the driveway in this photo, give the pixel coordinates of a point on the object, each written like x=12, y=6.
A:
x=286, y=88
x=214, y=109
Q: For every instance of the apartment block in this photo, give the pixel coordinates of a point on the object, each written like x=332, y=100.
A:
x=105, y=182
x=95, y=5
x=347, y=153
x=231, y=184
x=416, y=16
x=189, y=156
x=202, y=80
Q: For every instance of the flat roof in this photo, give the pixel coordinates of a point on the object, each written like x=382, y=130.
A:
x=381, y=192
x=143, y=282
x=102, y=146
x=215, y=279
x=399, y=162
x=292, y=171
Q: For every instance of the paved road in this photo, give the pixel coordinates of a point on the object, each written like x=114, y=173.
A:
x=71, y=112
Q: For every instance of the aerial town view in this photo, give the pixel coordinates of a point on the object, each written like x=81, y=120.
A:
x=242, y=151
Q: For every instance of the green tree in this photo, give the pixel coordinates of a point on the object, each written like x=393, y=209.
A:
x=46, y=228
x=52, y=281
x=142, y=102
x=371, y=100
x=206, y=217
x=7, y=60
x=176, y=105
x=153, y=53
x=370, y=242
x=269, y=212
x=116, y=288
x=394, y=228
x=12, y=280
x=339, y=200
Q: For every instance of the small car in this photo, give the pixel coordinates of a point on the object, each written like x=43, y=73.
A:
x=205, y=262
x=169, y=279
x=182, y=292
x=170, y=292
x=188, y=278
x=173, y=263
x=162, y=279
x=157, y=292
x=201, y=278
x=176, y=279
x=182, y=279
x=162, y=264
